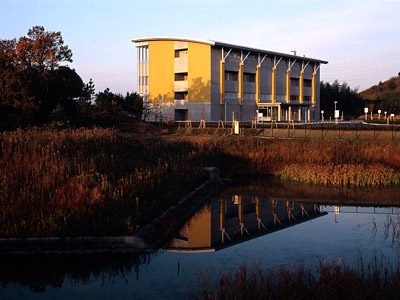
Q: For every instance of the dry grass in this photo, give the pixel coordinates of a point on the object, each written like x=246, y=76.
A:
x=87, y=182
x=341, y=175
x=101, y=182
x=330, y=280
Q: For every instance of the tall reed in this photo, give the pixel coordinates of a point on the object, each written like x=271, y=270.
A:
x=341, y=175
x=329, y=280
x=102, y=182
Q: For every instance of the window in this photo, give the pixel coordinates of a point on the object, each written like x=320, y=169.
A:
x=280, y=97
x=181, y=76
x=143, y=80
x=294, y=81
x=230, y=95
x=181, y=53
x=231, y=76
x=307, y=83
x=249, y=77
x=307, y=98
x=181, y=95
x=235, y=54
x=265, y=97
x=294, y=97
x=249, y=96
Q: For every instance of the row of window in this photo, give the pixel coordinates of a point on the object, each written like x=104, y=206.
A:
x=143, y=80
x=248, y=96
x=233, y=76
x=295, y=82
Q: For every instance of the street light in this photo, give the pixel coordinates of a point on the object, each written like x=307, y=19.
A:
x=336, y=113
x=385, y=114
x=322, y=113
x=366, y=112
x=379, y=114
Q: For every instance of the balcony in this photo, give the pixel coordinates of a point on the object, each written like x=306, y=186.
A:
x=181, y=86
x=181, y=64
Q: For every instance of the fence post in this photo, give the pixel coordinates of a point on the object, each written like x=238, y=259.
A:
x=392, y=132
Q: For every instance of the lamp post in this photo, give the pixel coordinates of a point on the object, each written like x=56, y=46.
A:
x=366, y=112
x=385, y=114
x=379, y=114
x=336, y=114
x=322, y=113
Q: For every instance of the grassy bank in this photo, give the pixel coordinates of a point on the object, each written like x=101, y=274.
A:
x=341, y=175
x=102, y=182
x=330, y=280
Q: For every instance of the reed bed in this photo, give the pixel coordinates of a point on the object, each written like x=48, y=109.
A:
x=87, y=182
x=341, y=175
x=101, y=182
x=330, y=280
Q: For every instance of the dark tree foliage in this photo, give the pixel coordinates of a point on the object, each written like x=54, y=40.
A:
x=391, y=102
x=32, y=82
x=348, y=100
x=133, y=104
x=35, y=87
x=110, y=107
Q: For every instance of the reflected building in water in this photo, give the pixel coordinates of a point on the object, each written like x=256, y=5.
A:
x=226, y=221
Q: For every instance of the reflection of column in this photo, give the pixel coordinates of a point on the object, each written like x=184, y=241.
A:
x=273, y=209
x=337, y=211
x=241, y=214
x=222, y=218
x=222, y=214
x=289, y=209
x=303, y=210
x=259, y=221
x=257, y=207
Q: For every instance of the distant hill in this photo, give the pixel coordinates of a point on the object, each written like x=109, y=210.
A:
x=388, y=90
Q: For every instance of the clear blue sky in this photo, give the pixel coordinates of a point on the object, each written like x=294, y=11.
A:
x=359, y=38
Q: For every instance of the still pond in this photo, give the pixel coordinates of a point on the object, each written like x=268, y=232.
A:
x=236, y=228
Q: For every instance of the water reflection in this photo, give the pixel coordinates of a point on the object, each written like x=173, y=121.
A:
x=228, y=231
x=227, y=221
x=41, y=271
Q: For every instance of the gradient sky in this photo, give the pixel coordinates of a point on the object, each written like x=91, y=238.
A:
x=359, y=38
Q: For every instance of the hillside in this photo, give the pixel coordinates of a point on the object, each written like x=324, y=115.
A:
x=390, y=89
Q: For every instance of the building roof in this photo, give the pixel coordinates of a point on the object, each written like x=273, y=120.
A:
x=227, y=46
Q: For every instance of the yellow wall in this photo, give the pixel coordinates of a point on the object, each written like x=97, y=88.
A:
x=199, y=229
x=240, y=83
x=301, y=83
x=199, y=72
x=222, y=82
x=273, y=91
x=287, y=85
x=161, y=70
x=258, y=83
x=313, y=89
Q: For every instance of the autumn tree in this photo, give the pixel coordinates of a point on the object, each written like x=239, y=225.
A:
x=41, y=49
x=33, y=80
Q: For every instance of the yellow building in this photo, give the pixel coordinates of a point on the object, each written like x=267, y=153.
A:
x=194, y=79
